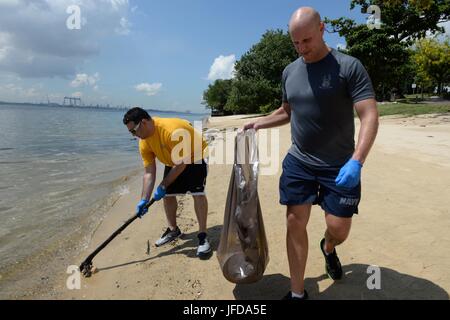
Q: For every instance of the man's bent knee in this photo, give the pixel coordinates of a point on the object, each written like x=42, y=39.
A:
x=337, y=236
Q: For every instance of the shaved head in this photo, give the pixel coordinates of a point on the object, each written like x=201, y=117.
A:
x=304, y=17
x=306, y=30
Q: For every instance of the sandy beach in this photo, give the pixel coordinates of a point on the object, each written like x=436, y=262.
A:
x=402, y=228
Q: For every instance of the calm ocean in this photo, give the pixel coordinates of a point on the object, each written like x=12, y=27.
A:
x=60, y=170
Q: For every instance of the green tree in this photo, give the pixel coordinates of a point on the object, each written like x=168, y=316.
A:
x=248, y=96
x=384, y=52
x=216, y=96
x=257, y=87
x=433, y=61
x=267, y=59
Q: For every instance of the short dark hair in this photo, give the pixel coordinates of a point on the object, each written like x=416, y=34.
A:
x=136, y=115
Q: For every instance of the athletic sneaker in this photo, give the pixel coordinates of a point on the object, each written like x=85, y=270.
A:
x=290, y=297
x=204, y=248
x=168, y=236
x=332, y=264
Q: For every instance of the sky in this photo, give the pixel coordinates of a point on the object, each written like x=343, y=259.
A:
x=158, y=54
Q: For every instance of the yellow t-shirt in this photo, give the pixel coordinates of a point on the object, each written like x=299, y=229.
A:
x=173, y=141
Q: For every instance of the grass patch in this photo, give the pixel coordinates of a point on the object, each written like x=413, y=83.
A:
x=412, y=109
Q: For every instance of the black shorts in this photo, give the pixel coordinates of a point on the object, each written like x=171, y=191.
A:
x=192, y=180
x=304, y=184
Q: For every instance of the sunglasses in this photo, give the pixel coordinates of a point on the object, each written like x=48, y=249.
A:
x=135, y=129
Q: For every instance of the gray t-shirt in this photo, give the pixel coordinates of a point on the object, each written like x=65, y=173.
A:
x=321, y=96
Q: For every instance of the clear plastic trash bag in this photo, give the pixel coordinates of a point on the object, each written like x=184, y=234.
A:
x=243, y=252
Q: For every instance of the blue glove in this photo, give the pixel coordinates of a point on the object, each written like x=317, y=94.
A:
x=350, y=174
x=159, y=193
x=142, y=208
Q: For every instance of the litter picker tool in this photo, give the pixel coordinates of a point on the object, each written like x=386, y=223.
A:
x=86, y=265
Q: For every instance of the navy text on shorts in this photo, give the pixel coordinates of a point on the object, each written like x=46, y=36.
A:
x=301, y=183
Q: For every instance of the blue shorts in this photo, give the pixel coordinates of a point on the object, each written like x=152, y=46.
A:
x=301, y=183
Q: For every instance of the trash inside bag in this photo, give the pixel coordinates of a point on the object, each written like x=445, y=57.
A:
x=243, y=252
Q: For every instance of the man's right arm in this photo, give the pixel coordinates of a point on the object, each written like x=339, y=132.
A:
x=148, y=181
x=277, y=118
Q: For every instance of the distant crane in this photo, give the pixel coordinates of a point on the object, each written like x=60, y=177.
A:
x=72, y=102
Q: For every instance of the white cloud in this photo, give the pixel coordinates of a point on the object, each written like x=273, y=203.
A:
x=150, y=89
x=35, y=41
x=117, y=4
x=124, y=28
x=222, y=68
x=83, y=79
x=4, y=48
x=55, y=97
x=14, y=92
x=77, y=94
x=9, y=3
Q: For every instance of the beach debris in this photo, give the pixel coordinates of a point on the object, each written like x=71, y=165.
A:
x=148, y=247
x=196, y=284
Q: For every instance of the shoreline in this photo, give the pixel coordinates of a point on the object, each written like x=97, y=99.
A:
x=29, y=283
x=397, y=181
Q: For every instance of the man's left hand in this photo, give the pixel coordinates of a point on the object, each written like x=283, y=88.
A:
x=350, y=174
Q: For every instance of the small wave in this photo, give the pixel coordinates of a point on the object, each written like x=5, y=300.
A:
x=13, y=162
x=51, y=161
x=57, y=174
x=123, y=190
x=61, y=181
x=61, y=193
x=6, y=149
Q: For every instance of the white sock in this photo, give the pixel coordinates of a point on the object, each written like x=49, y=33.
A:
x=297, y=295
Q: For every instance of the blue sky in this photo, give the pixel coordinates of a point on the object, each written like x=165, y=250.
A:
x=158, y=54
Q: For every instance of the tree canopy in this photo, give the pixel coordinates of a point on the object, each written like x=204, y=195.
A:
x=433, y=61
x=385, y=51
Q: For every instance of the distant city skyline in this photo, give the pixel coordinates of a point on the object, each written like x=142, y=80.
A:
x=105, y=106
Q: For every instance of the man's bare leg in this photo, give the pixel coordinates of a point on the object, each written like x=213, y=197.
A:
x=170, y=207
x=297, y=244
x=201, y=210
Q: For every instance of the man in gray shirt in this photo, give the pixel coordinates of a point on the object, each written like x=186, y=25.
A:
x=320, y=91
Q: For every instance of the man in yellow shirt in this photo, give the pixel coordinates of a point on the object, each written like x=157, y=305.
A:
x=176, y=144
